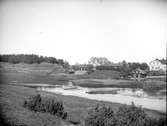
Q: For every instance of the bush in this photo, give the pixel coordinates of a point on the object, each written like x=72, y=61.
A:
x=125, y=116
x=100, y=116
x=37, y=104
x=131, y=116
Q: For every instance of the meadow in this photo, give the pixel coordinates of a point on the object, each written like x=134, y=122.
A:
x=12, y=96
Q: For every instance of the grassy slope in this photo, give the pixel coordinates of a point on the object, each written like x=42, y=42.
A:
x=99, y=74
x=31, y=73
x=12, y=98
x=13, y=113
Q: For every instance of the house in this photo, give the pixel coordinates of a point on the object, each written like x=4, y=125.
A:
x=158, y=65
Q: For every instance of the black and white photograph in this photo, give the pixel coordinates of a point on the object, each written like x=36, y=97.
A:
x=83, y=62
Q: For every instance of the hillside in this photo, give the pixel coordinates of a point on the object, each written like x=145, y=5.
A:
x=36, y=73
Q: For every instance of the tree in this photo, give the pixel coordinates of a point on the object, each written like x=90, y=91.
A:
x=29, y=59
x=97, y=61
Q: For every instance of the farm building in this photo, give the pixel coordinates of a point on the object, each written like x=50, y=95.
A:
x=157, y=65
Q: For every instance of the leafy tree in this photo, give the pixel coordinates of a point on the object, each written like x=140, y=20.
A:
x=99, y=61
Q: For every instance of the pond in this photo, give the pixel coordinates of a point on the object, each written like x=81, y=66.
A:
x=117, y=95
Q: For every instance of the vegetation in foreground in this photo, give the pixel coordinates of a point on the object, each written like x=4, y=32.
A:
x=13, y=113
x=37, y=104
x=12, y=99
x=98, y=116
x=125, y=116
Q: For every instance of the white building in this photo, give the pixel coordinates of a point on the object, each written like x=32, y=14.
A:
x=157, y=65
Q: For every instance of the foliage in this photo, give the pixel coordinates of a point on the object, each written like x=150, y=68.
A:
x=51, y=106
x=142, y=66
x=131, y=116
x=125, y=116
x=100, y=116
x=99, y=61
x=108, y=67
x=29, y=59
x=123, y=67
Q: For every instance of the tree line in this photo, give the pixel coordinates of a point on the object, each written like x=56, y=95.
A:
x=30, y=59
x=103, y=63
x=124, y=68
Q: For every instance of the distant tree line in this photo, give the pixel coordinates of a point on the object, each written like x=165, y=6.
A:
x=30, y=59
x=124, y=67
x=134, y=65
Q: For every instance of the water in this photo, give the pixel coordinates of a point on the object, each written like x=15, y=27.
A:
x=124, y=96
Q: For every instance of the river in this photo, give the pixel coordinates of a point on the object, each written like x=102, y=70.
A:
x=122, y=95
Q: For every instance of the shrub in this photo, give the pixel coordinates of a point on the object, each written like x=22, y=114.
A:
x=125, y=116
x=38, y=104
x=131, y=116
x=100, y=116
x=33, y=103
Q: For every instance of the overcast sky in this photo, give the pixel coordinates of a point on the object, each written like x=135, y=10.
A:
x=75, y=30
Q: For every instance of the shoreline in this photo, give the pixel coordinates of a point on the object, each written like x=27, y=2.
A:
x=12, y=99
x=110, y=102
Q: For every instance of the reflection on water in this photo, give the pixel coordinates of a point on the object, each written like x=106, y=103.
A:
x=121, y=95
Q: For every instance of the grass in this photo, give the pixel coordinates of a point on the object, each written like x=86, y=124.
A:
x=31, y=78
x=13, y=112
x=12, y=97
x=154, y=85
x=50, y=74
x=99, y=74
x=31, y=73
x=98, y=83
x=149, y=86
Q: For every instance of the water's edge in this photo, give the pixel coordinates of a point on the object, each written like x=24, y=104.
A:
x=122, y=97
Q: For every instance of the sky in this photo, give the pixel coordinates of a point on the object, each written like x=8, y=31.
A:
x=75, y=30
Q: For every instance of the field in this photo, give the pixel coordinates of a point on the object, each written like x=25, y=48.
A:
x=12, y=97
x=152, y=87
